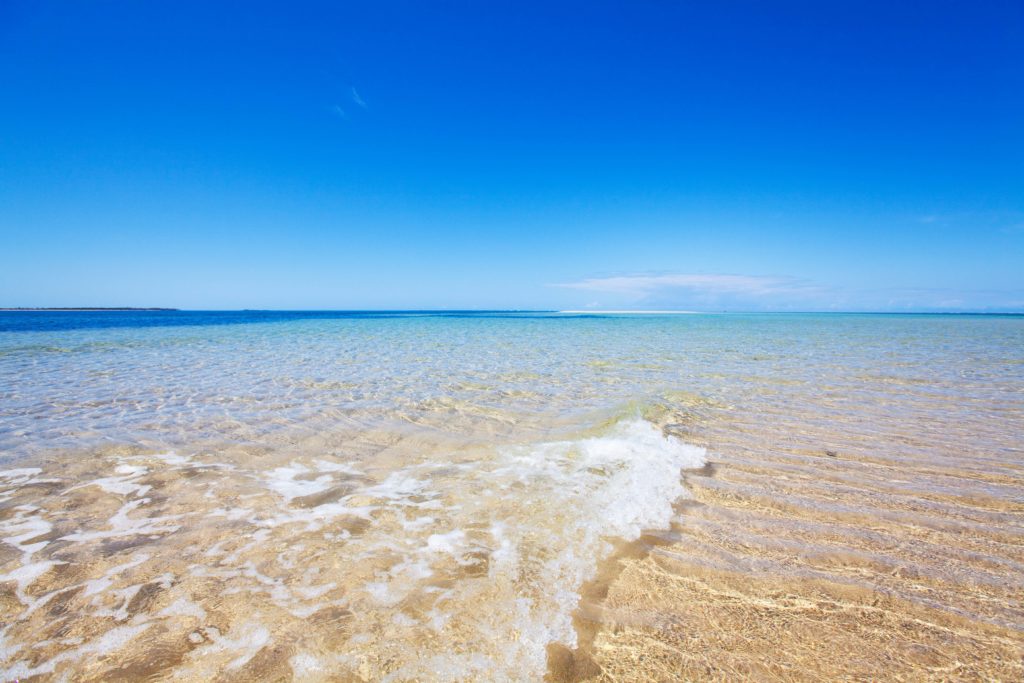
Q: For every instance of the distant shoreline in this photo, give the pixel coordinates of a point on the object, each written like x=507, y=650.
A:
x=625, y=312
x=114, y=308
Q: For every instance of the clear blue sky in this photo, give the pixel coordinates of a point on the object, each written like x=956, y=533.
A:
x=714, y=155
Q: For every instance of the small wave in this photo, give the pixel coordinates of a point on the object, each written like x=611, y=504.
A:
x=454, y=566
x=553, y=508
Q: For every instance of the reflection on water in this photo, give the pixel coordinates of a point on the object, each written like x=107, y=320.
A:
x=488, y=498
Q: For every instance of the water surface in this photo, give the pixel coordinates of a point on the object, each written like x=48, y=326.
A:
x=494, y=496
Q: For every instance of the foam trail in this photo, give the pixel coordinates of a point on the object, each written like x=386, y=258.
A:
x=552, y=506
x=449, y=567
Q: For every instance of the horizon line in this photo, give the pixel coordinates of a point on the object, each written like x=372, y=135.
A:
x=162, y=309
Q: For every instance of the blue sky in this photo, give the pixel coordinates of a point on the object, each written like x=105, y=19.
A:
x=712, y=156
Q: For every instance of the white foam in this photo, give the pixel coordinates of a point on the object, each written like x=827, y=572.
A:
x=398, y=488
x=315, y=518
x=554, y=507
x=24, y=575
x=183, y=607
x=339, y=467
x=412, y=569
x=251, y=639
x=101, y=584
x=26, y=525
x=516, y=529
x=19, y=475
x=122, y=525
x=417, y=524
x=111, y=641
x=282, y=480
x=174, y=459
x=451, y=542
x=313, y=592
x=122, y=485
x=14, y=479
x=306, y=667
x=614, y=485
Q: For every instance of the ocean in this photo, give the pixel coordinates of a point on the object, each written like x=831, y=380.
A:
x=510, y=496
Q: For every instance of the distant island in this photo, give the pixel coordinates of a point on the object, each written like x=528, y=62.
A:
x=89, y=308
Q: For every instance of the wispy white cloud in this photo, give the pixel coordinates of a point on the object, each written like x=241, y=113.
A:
x=357, y=99
x=717, y=284
x=703, y=291
x=338, y=111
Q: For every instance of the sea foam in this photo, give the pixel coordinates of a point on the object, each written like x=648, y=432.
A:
x=554, y=508
x=450, y=566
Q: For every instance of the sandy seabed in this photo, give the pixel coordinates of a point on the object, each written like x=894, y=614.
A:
x=655, y=498
x=801, y=563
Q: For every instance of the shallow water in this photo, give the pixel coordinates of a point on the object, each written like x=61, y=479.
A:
x=509, y=496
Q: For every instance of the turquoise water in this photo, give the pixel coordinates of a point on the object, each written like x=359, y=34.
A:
x=422, y=495
x=69, y=384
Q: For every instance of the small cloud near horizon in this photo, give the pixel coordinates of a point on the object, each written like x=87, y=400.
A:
x=644, y=285
x=754, y=292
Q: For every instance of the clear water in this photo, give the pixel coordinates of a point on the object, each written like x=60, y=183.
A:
x=424, y=496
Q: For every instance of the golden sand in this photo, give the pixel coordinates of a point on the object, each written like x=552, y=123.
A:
x=793, y=564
